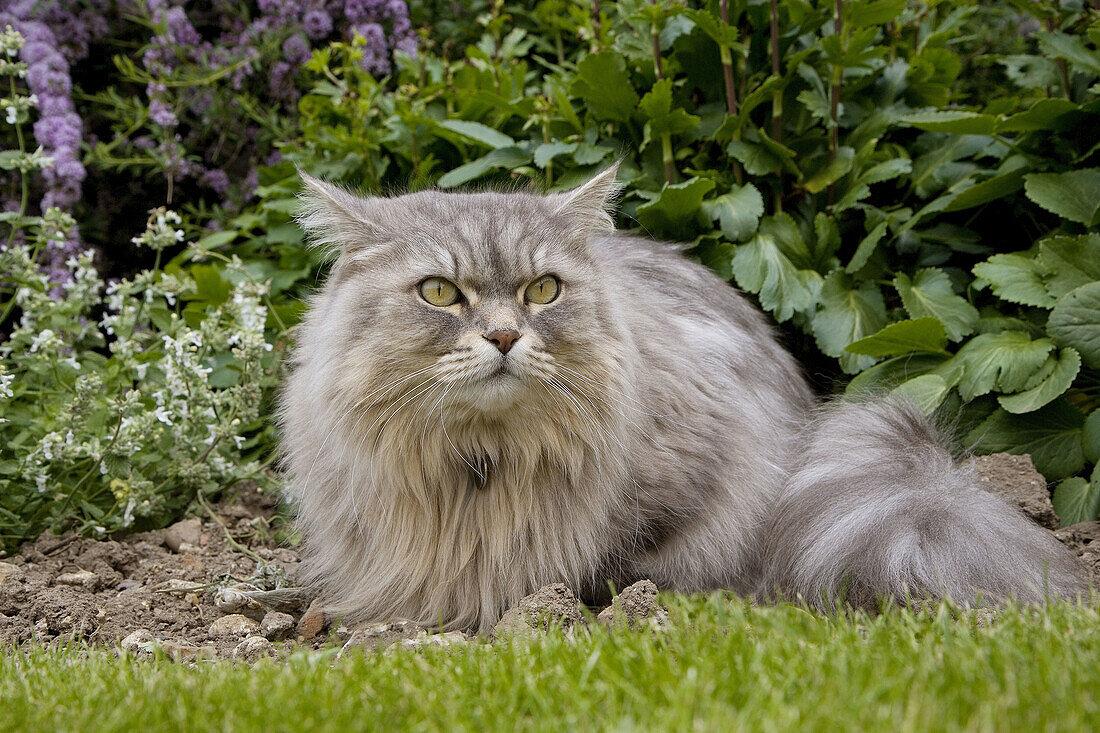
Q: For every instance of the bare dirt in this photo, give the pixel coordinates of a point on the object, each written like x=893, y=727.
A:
x=220, y=586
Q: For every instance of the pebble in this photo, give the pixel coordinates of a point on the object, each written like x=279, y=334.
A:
x=277, y=626
x=449, y=638
x=253, y=649
x=187, y=532
x=635, y=606
x=6, y=569
x=138, y=642
x=81, y=578
x=380, y=636
x=235, y=599
x=313, y=621
x=233, y=625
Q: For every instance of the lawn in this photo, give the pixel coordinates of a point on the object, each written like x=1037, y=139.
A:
x=723, y=665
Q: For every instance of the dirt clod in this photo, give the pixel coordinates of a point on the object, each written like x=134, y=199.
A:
x=635, y=606
x=81, y=578
x=312, y=622
x=234, y=624
x=277, y=626
x=253, y=649
x=188, y=532
x=380, y=636
x=1014, y=479
x=551, y=605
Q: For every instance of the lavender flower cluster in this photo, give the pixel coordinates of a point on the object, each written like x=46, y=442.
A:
x=194, y=132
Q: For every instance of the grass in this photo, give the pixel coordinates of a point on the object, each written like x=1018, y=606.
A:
x=725, y=665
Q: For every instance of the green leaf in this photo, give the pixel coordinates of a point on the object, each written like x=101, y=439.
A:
x=738, y=211
x=721, y=33
x=548, y=151
x=847, y=314
x=785, y=233
x=1091, y=437
x=988, y=190
x=953, y=121
x=866, y=248
x=1070, y=262
x=656, y=105
x=1040, y=116
x=1052, y=435
x=1072, y=49
x=1003, y=361
x=1074, y=195
x=926, y=391
x=1076, y=500
x=218, y=239
x=1066, y=366
x=1075, y=321
x=929, y=294
x=756, y=159
x=891, y=373
x=1017, y=279
x=862, y=13
x=904, y=337
x=478, y=133
x=604, y=83
x=831, y=172
x=210, y=286
x=676, y=206
x=507, y=158
x=760, y=267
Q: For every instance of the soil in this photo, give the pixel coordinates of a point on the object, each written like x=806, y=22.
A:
x=220, y=586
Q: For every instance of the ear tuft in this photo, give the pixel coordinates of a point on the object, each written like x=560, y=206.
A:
x=592, y=204
x=333, y=218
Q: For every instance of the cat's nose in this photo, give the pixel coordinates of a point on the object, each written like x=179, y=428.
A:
x=503, y=340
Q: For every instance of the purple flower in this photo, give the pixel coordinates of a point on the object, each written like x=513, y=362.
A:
x=376, y=57
x=180, y=30
x=60, y=131
x=317, y=23
x=216, y=179
x=162, y=114
x=296, y=49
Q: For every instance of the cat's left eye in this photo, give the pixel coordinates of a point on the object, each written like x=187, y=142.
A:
x=542, y=291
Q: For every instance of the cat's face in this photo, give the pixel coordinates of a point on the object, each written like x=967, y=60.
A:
x=483, y=301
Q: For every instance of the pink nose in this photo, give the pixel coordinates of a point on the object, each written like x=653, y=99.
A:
x=503, y=340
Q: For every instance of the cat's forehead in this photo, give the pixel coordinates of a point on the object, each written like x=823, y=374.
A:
x=486, y=235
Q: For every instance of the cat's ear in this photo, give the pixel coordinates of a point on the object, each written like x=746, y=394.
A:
x=593, y=204
x=336, y=219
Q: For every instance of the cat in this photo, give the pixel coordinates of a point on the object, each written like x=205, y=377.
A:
x=493, y=392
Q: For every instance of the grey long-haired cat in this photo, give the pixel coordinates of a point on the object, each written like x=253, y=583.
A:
x=493, y=392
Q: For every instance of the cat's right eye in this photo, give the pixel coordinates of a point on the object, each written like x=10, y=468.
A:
x=439, y=292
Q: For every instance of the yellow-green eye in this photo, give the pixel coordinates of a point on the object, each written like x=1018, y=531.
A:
x=440, y=292
x=542, y=291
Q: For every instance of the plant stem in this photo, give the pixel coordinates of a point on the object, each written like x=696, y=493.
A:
x=666, y=157
x=834, y=100
x=595, y=26
x=1062, y=71
x=777, y=98
x=727, y=62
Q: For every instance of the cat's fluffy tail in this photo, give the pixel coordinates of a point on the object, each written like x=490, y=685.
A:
x=878, y=507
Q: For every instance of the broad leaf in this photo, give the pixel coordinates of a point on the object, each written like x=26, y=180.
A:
x=1071, y=262
x=1091, y=437
x=988, y=190
x=676, y=205
x=478, y=133
x=1057, y=381
x=866, y=248
x=1052, y=435
x=954, y=121
x=904, y=337
x=604, y=83
x=548, y=151
x=926, y=391
x=760, y=267
x=929, y=294
x=1017, y=279
x=847, y=314
x=1075, y=321
x=1074, y=195
x=1000, y=361
x=738, y=212
x=1076, y=500
x=662, y=116
x=507, y=158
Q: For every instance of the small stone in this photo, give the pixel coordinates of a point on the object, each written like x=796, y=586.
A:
x=85, y=579
x=380, y=636
x=253, y=649
x=236, y=599
x=6, y=569
x=635, y=606
x=312, y=621
x=185, y=652
x=189, y=532
x=139, y=642
x=179, y=585
x=42, y=628
x=277, y=626
x=552, y=605
x=1081, y=536
x=1014, y=479
x=233, y=625
x=449, y=638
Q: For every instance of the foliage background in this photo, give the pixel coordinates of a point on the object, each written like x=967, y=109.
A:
x=911, y=189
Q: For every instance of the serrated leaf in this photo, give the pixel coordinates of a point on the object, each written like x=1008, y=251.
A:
x=929, y=294
x=1017, y=279
x=604, y=83
x=1040, y=116
x=926, y=391
x=656, y=105
x=720, y=32
x=872, y=12
x=548, y=151
x=866, y=248
x=1070, y=262
x=1074, y=195
x=1091, y=437
x=904, y=337
x=507, y=158
x=785, y=233
x=675, y=206
x=1075, y=321
x=760, y=267
x=478, y=133
x=1000, y=361
x=1066, y=366
x=889, y=374
x=988, y=190
x=756, y=159
x=953, y=121
x=1076, y=500
x=738, y=211
x=832, y=171
x=1052, y=435
x=847, y=314
x=1071, y=48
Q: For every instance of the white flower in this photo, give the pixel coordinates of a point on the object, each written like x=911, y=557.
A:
x=13, y=114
